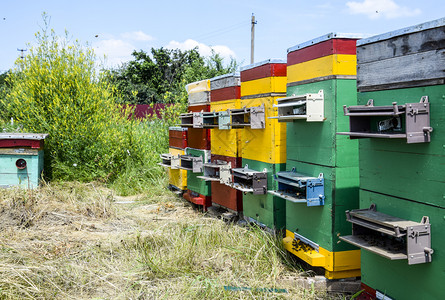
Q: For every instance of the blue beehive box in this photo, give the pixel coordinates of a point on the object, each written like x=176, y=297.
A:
x=21, y=159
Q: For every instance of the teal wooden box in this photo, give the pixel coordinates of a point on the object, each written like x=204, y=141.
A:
x=21, y=159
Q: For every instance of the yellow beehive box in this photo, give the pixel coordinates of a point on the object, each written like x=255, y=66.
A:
x=269, y=144
x=225, y=142
x=177, y=177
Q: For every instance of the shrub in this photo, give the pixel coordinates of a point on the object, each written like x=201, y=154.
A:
x=58, y=89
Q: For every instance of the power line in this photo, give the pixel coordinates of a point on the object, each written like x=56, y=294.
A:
x=221, y=31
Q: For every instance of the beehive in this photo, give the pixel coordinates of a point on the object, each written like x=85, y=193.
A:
x=264, y=149
x=21, y=159
x=198, y=191
x=323, y=71
x=177, y=178
x=401, y=169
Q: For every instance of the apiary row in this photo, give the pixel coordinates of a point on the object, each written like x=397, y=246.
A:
x=339, y=147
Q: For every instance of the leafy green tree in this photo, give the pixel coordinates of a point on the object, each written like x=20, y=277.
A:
x=161, y=76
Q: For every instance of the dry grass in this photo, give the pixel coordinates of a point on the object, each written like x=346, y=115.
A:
x=75, y=241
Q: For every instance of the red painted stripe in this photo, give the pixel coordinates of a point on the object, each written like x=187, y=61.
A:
x=198, y=108
x=199, y=138
x=228, y=93
x=264, y=71
x=329, y=47
x=34, y=144
x=367, y=294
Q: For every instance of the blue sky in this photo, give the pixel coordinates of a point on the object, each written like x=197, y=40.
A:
x=124, y=26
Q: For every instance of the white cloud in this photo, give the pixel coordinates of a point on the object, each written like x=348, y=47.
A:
x=375, y=9
x=203, y=49
x=137, y=36
x=116, y=51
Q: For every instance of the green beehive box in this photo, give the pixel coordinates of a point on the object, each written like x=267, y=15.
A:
x=317, y=142
x=21, y=159
x=395, y=278
x=323, y=224
x=401, y=161
x=410, y=171
x=194, y=183
x=267, y=210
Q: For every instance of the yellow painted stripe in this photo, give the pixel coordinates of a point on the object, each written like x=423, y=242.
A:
x=341, y=264
x=263, y=86
x=225, y=105
x=266, y=145
x=177, y=177
x=336, y=64
x=198, y=86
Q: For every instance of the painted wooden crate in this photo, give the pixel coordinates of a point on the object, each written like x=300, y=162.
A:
x=395, y=278
x=21, y=159
x=223, y=195
x=225, y=87
x=264, y=77
x=225, y=142
x=199, y=138
x=194, y=183
x=322, y=225
x=177, y=137
x=198, y=92
x=266, y=210
x=261, y=84
x=317, y=142
x=329, y=56
x=177, y=178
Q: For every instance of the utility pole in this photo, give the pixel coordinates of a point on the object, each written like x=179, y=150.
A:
x=22, y=56
x=252, y=39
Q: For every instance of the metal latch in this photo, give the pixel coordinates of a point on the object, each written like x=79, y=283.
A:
x=309, y=107
x=170, y=161
x=250, y=181
x=410, y=121
x=300, y=188
x=389, y=236
x=217, y=171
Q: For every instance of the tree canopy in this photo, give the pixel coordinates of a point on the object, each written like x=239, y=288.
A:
x=161, y=75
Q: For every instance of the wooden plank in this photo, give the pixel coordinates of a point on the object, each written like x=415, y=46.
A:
x=402, y=69
x=364, y=244
x=335, y=64
x=198, y=108
x=224, y=81
x=325, y=48
x=226, y=196
x=228, y=93
x=263, y=86
x=422, y=41
x=263, y=71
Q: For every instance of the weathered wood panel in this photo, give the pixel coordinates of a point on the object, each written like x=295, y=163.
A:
x=401, y=70
x=422, y=41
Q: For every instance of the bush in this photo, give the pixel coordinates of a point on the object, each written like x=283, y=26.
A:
x=57, y=89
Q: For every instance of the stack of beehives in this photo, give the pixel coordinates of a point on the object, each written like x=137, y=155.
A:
x=298, y=133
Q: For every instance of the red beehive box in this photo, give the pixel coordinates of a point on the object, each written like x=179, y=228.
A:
x=177, y=137
x=224, y=195
x=199, y=138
